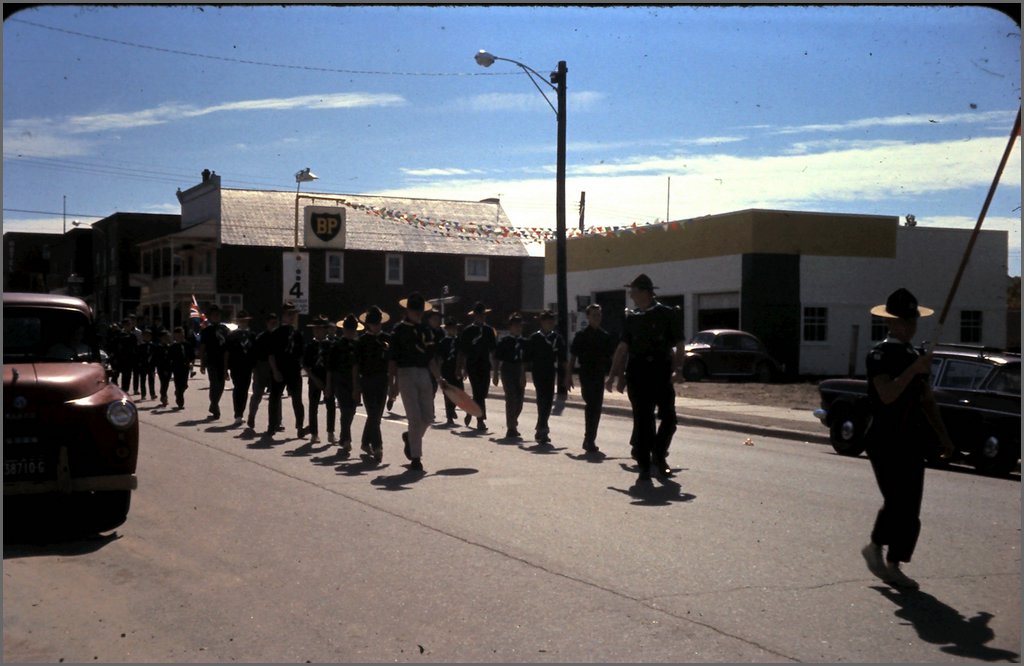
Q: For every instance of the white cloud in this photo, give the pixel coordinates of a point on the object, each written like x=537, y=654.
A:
x=430, y=172
x=978, y=117
x=583, y=100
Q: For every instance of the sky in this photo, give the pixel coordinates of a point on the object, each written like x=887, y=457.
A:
x=673, y=112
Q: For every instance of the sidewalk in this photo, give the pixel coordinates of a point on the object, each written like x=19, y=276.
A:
x=762, y=420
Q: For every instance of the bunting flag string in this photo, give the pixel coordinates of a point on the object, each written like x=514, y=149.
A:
x=498, y=233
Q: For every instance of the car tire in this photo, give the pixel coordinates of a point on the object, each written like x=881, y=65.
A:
x=763, y=373
x=846, y=433
x=103, y=511
x=995, y=453
x=694, y=371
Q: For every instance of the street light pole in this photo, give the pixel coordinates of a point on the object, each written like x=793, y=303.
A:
x=557, y=83
x=303, y=176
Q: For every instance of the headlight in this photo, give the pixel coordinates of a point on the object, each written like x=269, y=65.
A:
x=121, y=414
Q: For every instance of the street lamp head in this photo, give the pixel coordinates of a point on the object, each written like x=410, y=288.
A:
x=305, y=176
x=484, y=59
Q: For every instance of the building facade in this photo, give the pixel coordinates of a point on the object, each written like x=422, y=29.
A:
x=803, y=282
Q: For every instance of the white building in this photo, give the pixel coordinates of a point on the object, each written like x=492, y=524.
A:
x=803, y=282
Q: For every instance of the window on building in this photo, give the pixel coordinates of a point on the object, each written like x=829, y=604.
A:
x=393, y=269
x=879, y=328
x=335, y=267
x=815, y=324
x=147, y=263
x=478, y=269
x=229, y=304
x=190, y=265
x=165, y=261
x=970, y=326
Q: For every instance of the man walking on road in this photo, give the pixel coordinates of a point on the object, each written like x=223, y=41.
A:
x=593, y=346
x=648, y=360
x=546, y=356
x=285, y=358
x=213, y=342
x=903, y=413
x=511, y=370
x=477, y=343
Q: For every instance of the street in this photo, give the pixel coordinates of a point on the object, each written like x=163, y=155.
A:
x=248, y=550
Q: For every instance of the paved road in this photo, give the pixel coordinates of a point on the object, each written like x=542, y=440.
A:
x=248, y=550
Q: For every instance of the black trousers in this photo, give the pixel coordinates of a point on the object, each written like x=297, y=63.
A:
x=180, y=386
x=650, y=389
x=216, y=375
x=449, y=406
x=147, y=377
x=293, y=382
x=544, y=385
x=512, y=382
x=480, y=382
x=241, y=380
x=165, y=381
x=375, y=396
x=314, y=395
x=346, y=409
x=899, y=470
x=592, y=390
x=126, y=378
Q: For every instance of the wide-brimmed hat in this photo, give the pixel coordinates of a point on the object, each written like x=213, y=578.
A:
x=901, y=304
x=350, y=323
x=415, y=302
x=546, y=314
x=642, y=281
x=479, y=308
x=592, y=307
x=451, y=321
x=320, y=320
x=374, y=315
x=269, y=316
x=288, y=306
x=515, y=318
x=242, y=314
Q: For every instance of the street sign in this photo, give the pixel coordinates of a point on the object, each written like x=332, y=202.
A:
x=324, y=227
x=295, y=280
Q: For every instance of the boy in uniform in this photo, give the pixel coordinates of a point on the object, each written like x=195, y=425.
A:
x=512, y=371
x=546, y=354
x=340, y=380
x=372, y=353
x=314, y=362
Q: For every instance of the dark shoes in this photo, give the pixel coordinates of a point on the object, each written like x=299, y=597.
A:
x=469, y=419
x=416, y=465
x=590, y=447
x=662, y=468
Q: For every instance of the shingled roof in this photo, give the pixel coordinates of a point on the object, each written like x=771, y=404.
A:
x=392, y=224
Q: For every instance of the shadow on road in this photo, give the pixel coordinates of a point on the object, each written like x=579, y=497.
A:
x=67, y=542
x=543, y=449
x=944, y=625
x=359, y=467
x=589, y=456
x=401, y=481
x=663, y=492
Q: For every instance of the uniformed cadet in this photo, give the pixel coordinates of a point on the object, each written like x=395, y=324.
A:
x=546, y=357
x=477, y=343
x=285, y=349
x=447, y=351
x=511, y=370
x=411, y=367
x=593, y=347
x=371, y=373
x=432, y=318
x=314, y=361
x=645, y=362
x=262, y=377
x=904, y=415
x=340, y=378
x=213, y=340
x=240, y=359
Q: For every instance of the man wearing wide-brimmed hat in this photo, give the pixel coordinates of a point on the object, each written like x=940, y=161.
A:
x=648, y=361
x=412, y=364
x=903, y=412
x=371, y=377
x=314, y=361
x=511, y=369
x=340, y=381
x=477, y=344
x=262, y=377
x=239, y=359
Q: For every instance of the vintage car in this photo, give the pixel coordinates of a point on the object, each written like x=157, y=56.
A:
x=728, y=354
x=978, y=393
x=71, y=437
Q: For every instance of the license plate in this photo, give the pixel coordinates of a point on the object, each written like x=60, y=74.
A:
x=26, y=467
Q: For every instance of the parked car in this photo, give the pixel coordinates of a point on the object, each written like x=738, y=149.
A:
x=978, y=393
x=728, y=353
x=70, y=436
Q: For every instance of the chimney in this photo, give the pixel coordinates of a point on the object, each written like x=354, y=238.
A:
x=206, y=175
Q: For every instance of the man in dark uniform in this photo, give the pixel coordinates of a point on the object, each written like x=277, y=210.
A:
x=477, y=343
x=411, y=367
x=546, y=357
x=340, y=381
x=262, y=378
x=433, y=321
x=212, y=342
x=372, y=353
x=180, y=358
x=285, y=349
x=448, y=353
x=239, y=359
x=314, y=361
x=511, y=369
x=593, y=346
x=904, y=415
x=645, y=362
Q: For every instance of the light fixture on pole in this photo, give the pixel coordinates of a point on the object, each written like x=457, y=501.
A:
x=557, y=82
x=303, y=176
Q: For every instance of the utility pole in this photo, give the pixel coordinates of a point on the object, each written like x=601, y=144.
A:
x=583, y=206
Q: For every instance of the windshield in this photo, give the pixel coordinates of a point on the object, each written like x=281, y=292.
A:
x=47, y=335
x=703, y=338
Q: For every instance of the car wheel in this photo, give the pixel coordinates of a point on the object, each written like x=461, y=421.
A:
x=846, y=433
x=694, y=371
x=763, y=372
x=995, y=454
x=103, y=511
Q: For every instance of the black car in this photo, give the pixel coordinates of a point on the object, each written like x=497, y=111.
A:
x=728, y=353
x=978, y=393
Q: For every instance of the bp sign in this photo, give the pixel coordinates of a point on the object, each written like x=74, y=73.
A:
x=325, y=227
